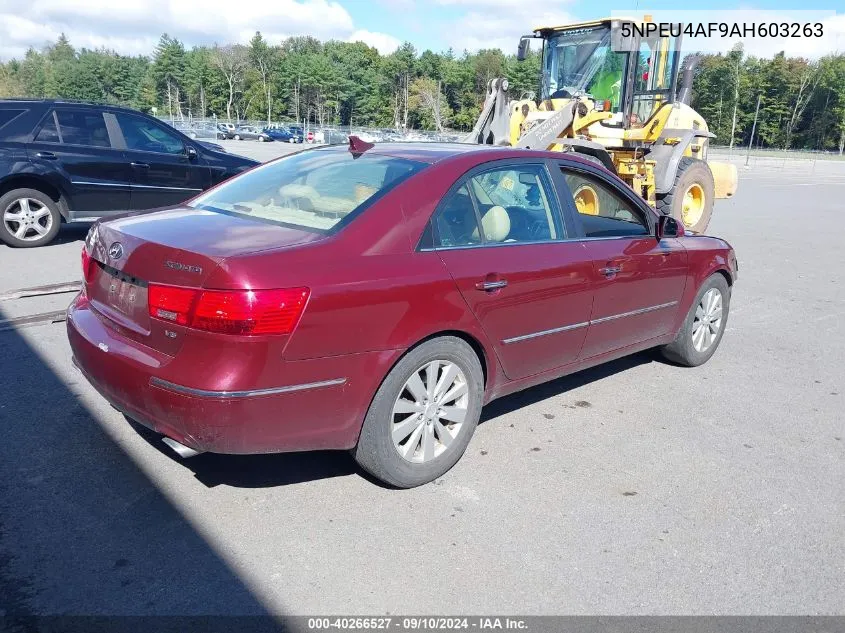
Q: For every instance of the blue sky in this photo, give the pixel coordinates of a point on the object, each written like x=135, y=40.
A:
x=439, y=24
x=134, y=27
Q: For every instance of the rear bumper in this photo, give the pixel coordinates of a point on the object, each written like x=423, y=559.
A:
x=316, y=404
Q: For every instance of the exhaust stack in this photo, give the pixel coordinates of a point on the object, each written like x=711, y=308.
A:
x=687, y=75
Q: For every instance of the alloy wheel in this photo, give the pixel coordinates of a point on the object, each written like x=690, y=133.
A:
x=430, y=411
x=708, y=320
x=27, y=219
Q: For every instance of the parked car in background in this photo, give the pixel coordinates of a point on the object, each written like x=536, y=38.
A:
x=68, y=162
x=283, y=135
x=373, y=299
x=225, y=132
x=250, y=133
x=197, y=131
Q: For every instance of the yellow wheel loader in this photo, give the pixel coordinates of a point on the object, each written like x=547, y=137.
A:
x=618, y=102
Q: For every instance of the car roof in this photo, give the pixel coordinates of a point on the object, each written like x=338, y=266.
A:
x=426, y=152
x=65, y=102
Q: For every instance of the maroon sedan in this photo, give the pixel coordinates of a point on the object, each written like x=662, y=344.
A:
x=374, y=298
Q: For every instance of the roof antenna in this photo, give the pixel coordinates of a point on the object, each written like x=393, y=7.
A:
x=358, y=147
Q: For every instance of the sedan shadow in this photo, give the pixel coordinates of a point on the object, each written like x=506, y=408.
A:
x=256, y=471
x=83, y=530
x=553, y=388
x=282, y=469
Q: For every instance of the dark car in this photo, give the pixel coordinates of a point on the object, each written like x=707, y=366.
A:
x=69, y=162
x=250, y=133
x=374, y=299
x=284, y=135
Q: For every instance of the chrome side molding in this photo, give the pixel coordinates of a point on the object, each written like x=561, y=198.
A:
x=249, y=393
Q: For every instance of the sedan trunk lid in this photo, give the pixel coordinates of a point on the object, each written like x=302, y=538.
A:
x=176, y=247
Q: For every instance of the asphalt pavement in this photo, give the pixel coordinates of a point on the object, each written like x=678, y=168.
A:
x=632, y=488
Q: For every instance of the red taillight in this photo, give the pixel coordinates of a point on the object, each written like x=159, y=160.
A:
x=88, y=265
x=170, y=303
x=244, y=312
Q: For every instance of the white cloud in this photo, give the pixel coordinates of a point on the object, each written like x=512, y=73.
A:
x=385, y=43
x=500, y=29
x=134, y=27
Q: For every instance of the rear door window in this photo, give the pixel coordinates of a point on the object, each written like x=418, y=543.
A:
x=456, y=221
x=145, y=136
x=82, y=127
x=48, y=133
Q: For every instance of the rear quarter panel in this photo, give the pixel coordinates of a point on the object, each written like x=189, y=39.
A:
x=370, y=289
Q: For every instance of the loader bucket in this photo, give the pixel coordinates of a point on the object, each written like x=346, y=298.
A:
x=725, y=177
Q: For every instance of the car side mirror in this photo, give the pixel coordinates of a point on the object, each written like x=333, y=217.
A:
x=191, y=152
x=667, y=226
x=522, y=51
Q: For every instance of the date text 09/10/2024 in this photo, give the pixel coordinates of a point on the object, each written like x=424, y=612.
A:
x=420, y=623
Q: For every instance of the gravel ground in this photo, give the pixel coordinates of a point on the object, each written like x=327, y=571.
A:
x=632, y=488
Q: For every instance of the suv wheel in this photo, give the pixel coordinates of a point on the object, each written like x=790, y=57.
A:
x=28, y=218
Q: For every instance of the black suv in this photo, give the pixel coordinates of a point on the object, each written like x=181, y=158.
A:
x=72, y=162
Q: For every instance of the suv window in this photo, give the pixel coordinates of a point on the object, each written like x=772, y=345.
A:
x=79, y=127
x=48, y=132
x=145, y=136
x=7, y=115
x=603, y=212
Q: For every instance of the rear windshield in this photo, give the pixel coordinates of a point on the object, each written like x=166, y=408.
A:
x=317, y=190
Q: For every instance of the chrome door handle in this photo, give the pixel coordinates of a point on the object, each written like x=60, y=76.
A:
x=46, y=155
x=140, y=165
x=487, y=286
x=610, y=270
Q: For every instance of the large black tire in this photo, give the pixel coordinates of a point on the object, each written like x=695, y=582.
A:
x=691, y=172
x=11, y=201
x=683, y=350
x=376, y=452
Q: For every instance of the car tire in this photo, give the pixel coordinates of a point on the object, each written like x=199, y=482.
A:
x=691, y=199
x=688, y=349
x=429, y=455
x=31, y=202
x=237, y=137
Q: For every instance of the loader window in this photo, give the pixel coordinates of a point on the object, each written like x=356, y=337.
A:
x=582, y=61
x=654, y=78
x=603, y=212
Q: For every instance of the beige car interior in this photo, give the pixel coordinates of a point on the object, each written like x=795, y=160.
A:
x=496, y=224
x=302, y=204
x=496, y=221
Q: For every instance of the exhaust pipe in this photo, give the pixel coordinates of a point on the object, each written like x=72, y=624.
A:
x=181, y=450
x=687, y=76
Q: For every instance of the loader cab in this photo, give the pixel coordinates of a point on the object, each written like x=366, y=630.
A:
x=630, y=78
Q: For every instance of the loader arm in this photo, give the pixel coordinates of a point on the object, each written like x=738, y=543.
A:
x=546, y=134
x=492, y=126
